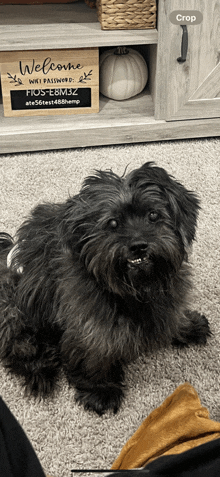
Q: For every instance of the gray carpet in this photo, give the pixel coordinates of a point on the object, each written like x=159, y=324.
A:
x=62, y=433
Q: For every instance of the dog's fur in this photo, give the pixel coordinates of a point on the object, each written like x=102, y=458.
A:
x=97, y=280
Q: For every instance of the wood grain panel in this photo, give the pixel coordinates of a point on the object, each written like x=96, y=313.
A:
x=191, y=89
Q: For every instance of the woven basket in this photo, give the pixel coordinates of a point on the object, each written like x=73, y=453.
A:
x=126, y=14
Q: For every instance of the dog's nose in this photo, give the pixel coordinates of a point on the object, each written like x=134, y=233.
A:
x=138, y=247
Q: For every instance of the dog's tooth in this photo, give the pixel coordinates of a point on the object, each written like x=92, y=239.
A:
x=137, y=260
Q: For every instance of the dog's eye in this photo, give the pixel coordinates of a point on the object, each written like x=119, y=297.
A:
x=153, y=216
x=113, y=223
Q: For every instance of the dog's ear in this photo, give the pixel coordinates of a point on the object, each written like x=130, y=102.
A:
x=183, y=204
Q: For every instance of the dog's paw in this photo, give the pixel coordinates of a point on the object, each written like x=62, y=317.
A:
x=100, y=399
x=39, y=386
x=197, y=331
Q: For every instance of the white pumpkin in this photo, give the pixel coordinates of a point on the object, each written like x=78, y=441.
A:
x=123, y=73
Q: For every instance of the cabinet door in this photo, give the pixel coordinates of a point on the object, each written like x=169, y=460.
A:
x=191, y=89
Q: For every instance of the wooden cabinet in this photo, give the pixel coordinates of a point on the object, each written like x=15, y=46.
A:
x=181, y=100
x=191, y=89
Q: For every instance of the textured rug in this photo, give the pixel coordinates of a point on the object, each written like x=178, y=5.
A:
x=63, y=435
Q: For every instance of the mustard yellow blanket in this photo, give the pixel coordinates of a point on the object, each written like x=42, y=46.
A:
x=178, y=425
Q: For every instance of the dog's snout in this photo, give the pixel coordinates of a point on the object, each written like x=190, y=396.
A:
x=138, y=247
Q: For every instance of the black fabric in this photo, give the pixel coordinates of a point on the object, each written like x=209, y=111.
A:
x=202, y=461
x=17, y=457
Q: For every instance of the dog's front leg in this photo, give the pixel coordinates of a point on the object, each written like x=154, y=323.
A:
x=101, y=395
x=99, y=385
x=193, y=329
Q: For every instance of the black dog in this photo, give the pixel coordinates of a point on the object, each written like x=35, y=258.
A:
x=93, y=282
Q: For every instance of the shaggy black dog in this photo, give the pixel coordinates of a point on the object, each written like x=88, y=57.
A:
x=93, y=282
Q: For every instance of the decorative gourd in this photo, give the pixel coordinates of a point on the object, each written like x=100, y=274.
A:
x=123, y=73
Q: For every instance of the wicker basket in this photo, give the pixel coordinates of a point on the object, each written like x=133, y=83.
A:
x=126, y=14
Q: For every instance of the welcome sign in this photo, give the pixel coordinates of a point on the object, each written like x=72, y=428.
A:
x=44, y=82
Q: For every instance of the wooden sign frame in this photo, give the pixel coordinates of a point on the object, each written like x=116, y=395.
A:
x=49, y=82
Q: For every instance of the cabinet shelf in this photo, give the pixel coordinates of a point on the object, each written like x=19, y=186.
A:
x=47, y=132
x=119, y=122
x=36, y=27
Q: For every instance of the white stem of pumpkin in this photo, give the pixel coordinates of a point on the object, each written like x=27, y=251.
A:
x=121, y=50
